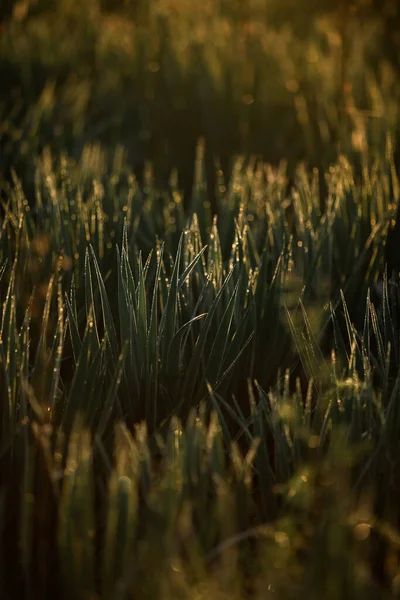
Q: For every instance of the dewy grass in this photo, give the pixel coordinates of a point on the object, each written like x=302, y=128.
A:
x=199, y=352
x=172, y=421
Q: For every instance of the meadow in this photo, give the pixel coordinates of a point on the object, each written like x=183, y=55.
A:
x=199, y=300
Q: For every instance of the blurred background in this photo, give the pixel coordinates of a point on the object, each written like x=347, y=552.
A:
x=276, y=79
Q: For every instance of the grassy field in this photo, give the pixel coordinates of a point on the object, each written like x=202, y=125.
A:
x=199, y=301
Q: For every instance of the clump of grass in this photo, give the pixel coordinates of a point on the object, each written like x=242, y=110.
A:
x=175, y=418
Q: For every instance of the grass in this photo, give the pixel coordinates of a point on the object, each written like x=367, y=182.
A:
x=199, y=373
x=146, y=388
